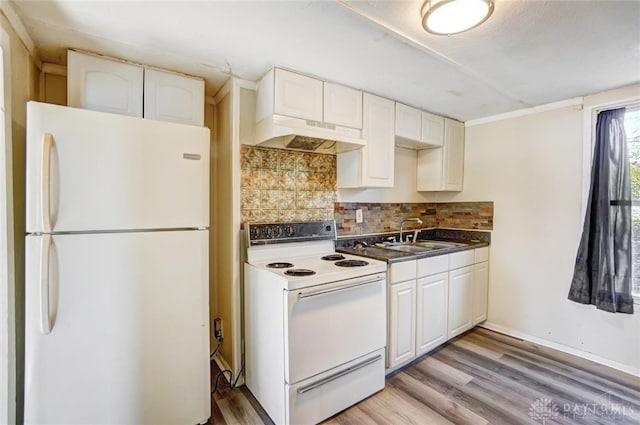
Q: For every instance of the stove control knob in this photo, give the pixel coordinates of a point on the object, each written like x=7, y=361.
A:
x=253, y=233
x=328, y=228
x=288, y=231
x=277, y=230
x=268, y=232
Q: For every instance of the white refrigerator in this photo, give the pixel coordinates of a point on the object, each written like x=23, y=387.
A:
x=117, y=216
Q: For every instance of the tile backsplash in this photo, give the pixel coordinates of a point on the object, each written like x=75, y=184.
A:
x=381, y=218
x=282, y=185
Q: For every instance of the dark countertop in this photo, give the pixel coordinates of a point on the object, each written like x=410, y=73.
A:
x=349, y=244
x=391, y=256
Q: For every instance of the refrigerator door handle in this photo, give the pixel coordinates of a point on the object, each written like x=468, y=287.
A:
x=45, y=183
x=45, y=319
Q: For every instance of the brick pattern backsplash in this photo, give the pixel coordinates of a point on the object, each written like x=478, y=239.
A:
x=280, y=185
x=381, y=218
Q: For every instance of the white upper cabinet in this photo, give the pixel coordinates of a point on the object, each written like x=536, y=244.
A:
x=373, y=164
x=102, y=84
x=418, y=129
x=342, y=105
x=442, y=169
x=297, y=95
x=432, y=129
x=408, y=124
x=173, y=97
x=108, y=85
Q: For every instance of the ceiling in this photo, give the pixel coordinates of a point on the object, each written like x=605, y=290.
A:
x=528, y=53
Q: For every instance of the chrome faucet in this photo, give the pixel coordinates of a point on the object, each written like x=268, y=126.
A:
x=414, y=219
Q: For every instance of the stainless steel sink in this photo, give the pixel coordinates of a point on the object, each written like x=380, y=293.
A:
x=439, y=244
x=408, y=248
x=422, y=246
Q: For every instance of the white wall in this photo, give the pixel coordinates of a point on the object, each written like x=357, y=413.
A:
x=404, y=189
x=531, y=167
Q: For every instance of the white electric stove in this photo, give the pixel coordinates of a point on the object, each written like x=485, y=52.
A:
x=315, y=322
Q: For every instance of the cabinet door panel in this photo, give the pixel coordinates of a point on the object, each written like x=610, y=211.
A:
x=460, y=300
x=453, y=155
x=431, y=312
x=408, y=122
x=297, y=95
x=480, y=291
x=378, y=155
x=342, y=106
x=172, y=97
x=402, y=318
x=105, y=85
x=432, y=129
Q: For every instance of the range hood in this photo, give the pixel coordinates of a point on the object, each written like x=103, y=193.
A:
x=284, y=132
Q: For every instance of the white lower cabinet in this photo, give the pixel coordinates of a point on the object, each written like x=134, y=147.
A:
x=431, y=314
x=431, y=300
x=460, y=300
x=402, y=319
x=480, y=292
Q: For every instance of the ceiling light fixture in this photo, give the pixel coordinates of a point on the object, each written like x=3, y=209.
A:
x=446, y=17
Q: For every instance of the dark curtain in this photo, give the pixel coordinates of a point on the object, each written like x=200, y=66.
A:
x=602, y=274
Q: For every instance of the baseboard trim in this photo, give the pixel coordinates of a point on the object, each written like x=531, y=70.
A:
x=560, y=347
x=223, y=365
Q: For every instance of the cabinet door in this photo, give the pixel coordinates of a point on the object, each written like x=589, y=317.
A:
x=460, y=300
x=342, y=105
x=402, y=319
x=429, y=169
x=173, y=97
x=432, y=129
x=104, y=85
x=378, y=155
x=297, y=95
x=408, y=122
x=480, y=291
x=442, y=169
x=431, y=312
x=453, y=155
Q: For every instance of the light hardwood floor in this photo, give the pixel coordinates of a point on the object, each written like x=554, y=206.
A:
x=481, y=377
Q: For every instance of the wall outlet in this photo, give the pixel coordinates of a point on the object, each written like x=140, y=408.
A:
x=217, y=328
x=358, y=216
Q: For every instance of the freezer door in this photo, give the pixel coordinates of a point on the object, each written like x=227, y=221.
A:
x=89, y=170
x=117, y=328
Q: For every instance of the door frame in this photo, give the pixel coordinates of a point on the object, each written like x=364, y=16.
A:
x=7, y=279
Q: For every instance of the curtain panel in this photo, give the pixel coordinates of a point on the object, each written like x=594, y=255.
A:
x=602, y=274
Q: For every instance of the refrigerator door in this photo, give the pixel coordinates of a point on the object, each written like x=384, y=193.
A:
x=89, y=170
x=117, y=328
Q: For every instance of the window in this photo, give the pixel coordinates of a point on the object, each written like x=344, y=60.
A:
x=632, y=129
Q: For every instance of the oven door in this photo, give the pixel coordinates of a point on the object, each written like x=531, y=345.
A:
x=332, y=324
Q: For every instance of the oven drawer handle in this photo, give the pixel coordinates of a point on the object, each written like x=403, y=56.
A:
x=340, y=374
x=302, y=295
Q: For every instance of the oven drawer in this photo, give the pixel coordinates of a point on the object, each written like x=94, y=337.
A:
x=332, y=324
x=322, y=396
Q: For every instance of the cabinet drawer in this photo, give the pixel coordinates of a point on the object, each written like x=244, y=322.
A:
x=481, y=254
x=399, y=272
x=433, y=265
x=461, y=259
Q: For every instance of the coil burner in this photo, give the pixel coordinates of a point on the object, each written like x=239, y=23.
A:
x=279, y=265
x=351, y=263
x=299, y=272
x=333, y=257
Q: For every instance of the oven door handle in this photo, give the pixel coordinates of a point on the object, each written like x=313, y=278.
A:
x=337, y=375
x=303, y=295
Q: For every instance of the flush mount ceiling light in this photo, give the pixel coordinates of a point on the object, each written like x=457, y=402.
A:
x=445, y=17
